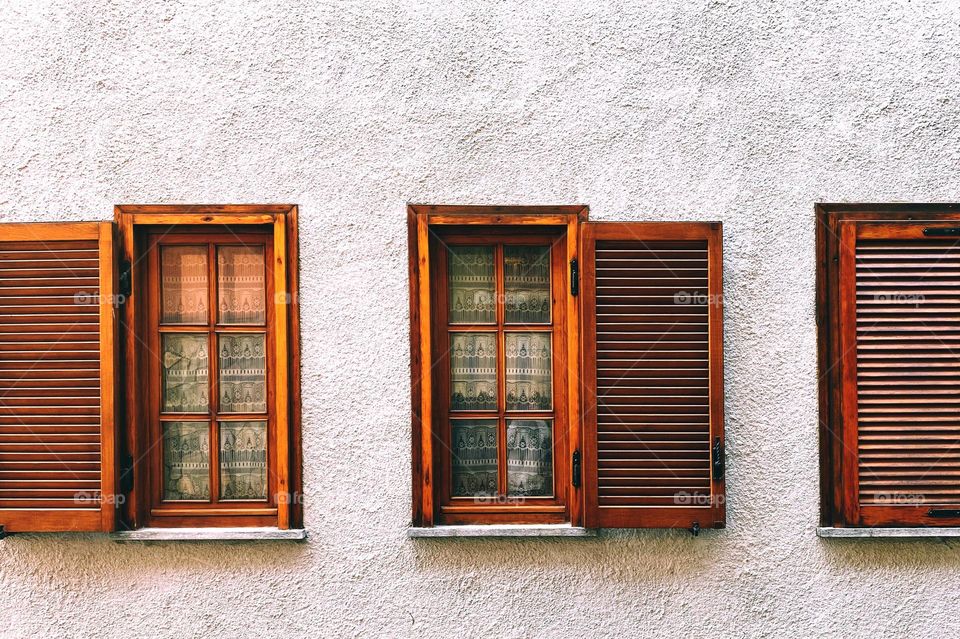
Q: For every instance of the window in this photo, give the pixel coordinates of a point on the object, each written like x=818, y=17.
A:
x=887, y=302
x=149, y=371
x=565, y=371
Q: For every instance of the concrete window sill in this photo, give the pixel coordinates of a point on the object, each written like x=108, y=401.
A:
x=209, y=534
x=544, y=530
x=887, y=533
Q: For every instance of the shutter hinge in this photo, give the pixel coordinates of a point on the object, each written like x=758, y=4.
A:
x=719, y=460
x=125, y=284
x=575, y=469
x=574, y=277
x=126, y=474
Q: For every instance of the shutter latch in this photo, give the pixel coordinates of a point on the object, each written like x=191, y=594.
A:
x=718, y=460
x=575, y=469
x=126, y=279
x=947, y=513
x=574, y=277
x=695, y=529
x=126, y=474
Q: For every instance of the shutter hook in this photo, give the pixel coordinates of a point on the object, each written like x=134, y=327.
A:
x=695, y=529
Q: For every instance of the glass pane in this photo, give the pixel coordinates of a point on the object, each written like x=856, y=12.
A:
x=243, y=460
x=526, y=275
x=471, y=285
x=241, y=285
x=473, y=371
x=185, y=373
x=530, y=457
x=186, y=461
x=529, y=379
x=183, y=284
x=243, y=374
x=474, y=450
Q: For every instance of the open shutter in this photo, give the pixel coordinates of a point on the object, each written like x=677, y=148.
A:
x=57, y=363
x=653, y=375
x=899, y=338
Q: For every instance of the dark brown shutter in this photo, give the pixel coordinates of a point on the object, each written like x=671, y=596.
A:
x=57, y=350
x=653, y=375
x=900, y=357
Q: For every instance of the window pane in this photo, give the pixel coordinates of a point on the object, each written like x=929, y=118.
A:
x=529, y=457
x=474, y=451
x=183, y=285
x=472, y=285
x=185, y=373
x=526, y=274
x=243, y=460
x=473, y=371
x=243, y=374
x=529, y=379
x=186, y=461
x=241, y=285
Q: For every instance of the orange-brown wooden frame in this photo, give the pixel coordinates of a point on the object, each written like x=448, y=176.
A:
x=421, y=221
x=837, y=227
x=281, y=220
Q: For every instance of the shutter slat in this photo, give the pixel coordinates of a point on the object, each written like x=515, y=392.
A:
x=649, y=330
x=53, y=459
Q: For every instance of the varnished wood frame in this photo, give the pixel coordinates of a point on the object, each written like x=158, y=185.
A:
x=103, y=519
x=709, y=516
x=133, y=221
x=839, y=495
x=421, y=219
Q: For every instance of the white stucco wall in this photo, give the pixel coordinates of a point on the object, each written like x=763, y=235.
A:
x=746, y=112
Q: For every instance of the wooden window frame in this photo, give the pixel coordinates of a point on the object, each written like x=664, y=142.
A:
x=134, y=223
x=838, y=488
x=423, y=221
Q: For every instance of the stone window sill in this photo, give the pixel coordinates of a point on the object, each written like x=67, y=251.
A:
x=209, y=534
x=513, y=530
x=886, y=533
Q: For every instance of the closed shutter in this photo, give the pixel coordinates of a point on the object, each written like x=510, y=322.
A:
x=653, y=375
x=57, y=404
x=900, y=355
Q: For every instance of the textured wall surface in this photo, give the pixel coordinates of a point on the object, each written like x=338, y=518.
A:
x=746, y=112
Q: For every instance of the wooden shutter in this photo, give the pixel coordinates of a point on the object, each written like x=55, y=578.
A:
x=57, y=350
x=653, y=375
x=900, y=357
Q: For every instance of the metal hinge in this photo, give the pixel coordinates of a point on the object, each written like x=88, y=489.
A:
x=719, y=460
x=574, y=277
x=125, y=285
x=575, y=469
x=126, y=474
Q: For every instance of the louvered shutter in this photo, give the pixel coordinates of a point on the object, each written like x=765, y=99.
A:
x=653, y=375
x=900, y=378
x=57, y=363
